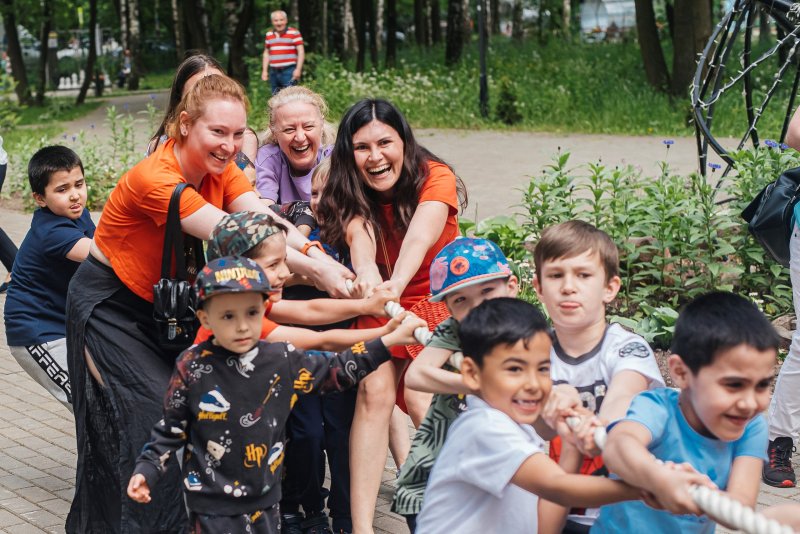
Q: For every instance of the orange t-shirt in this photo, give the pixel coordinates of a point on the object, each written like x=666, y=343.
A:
x=267, y=327
x=440, y=186
x=131, y=230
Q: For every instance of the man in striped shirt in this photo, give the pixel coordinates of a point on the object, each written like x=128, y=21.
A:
x=284, y=54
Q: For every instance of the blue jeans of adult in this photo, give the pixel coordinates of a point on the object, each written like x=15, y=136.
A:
x=280, y=77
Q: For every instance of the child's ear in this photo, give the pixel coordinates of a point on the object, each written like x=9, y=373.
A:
x=679, y=371
x=612, y=288
x=537, y=285
x=202, y=316
x=513, y=286
x=471, y=373
x=39, y=199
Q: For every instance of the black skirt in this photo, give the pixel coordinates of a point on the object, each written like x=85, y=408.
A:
x=113, y=422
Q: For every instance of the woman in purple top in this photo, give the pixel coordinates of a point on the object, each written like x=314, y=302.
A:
x=298, y=138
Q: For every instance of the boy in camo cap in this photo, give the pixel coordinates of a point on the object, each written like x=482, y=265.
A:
x=230, y=396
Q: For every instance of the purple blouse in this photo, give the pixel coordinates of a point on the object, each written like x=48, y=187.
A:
x=274, y=179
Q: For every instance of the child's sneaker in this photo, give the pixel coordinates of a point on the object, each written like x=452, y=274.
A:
x=292, y=523
x=778, y=470
x=316, y=523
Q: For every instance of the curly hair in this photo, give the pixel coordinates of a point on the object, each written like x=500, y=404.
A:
x=345, y=195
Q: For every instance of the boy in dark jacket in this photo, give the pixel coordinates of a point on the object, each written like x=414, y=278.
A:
x=230, y=396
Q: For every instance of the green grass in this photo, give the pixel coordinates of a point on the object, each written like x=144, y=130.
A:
x=560, y=87
x=157, y=80
x=58, y=109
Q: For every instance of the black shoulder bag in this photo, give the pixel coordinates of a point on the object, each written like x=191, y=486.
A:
x=174, y=301
x=769, y=215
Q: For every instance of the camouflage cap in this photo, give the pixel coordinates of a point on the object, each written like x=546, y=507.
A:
x=230, y=274
x=238, y=232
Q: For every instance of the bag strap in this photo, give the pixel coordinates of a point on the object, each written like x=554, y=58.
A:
x=173, y=237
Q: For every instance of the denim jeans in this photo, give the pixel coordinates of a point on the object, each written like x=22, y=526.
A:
x=280, y=77
x=784, y=410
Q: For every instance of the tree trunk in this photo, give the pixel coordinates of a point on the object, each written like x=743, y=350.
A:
x=391, y=33
x=14, y=51
x=360, y=19
x=193, y=21
x=206, y=27
x=135, y=45
x=178, y=29
x=310, y=22
x=294, y=11
x=338, y=35
x=566, y=16
x=372, y=17
x=123, y=24
x=92, y=59
x=516, y=20
x=325, y=36
x=351, y=41
x=692, y=30
x=454, y=45
x=436, y=22
x=380, y=9
x=494, y=16
x=420, y=22
x=655, y=67
x=237, y=16
x=764, y=27
x=44, y=33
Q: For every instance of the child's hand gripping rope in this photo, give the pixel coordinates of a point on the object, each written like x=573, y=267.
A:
x=715, y=503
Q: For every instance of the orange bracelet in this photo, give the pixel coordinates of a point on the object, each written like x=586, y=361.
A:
x=310, y=244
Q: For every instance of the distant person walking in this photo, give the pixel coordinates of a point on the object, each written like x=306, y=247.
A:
x=282, y=63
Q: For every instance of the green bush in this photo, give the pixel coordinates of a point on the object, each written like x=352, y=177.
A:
x=678, y=236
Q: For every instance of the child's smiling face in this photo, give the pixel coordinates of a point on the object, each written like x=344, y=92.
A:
x=514, y=379
x=272, y=259
x=720, y=399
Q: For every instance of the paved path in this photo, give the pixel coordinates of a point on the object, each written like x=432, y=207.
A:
x=37, y=435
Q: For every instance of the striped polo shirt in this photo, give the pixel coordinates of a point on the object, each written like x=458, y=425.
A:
x=282, y=47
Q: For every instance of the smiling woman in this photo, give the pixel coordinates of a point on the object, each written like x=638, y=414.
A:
x=297, y=140
x=394, y=205
x=119, y=371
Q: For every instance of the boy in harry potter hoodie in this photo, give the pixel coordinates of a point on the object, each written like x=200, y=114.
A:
x=229, y=398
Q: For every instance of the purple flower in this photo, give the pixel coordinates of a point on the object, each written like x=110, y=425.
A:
x=152, y=96
x=714, y=166
x=74, y=138
x=64, y=136
x=668, y=142
x=770, y=143
x=125, y=106
x=784, y=146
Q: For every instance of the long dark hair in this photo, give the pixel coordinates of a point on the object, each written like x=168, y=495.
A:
x=190, y=66
x=345, y=196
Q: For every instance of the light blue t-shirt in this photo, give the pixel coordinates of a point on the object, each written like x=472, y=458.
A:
x=674, y=440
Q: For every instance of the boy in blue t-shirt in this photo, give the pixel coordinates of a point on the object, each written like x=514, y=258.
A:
x=723, y=361
x=59, y=239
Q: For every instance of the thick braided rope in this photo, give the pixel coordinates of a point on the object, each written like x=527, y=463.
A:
x=713, y=502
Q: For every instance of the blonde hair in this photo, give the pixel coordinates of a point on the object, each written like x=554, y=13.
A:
x=322, y=171
x=195, y=101
x=298, y=93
